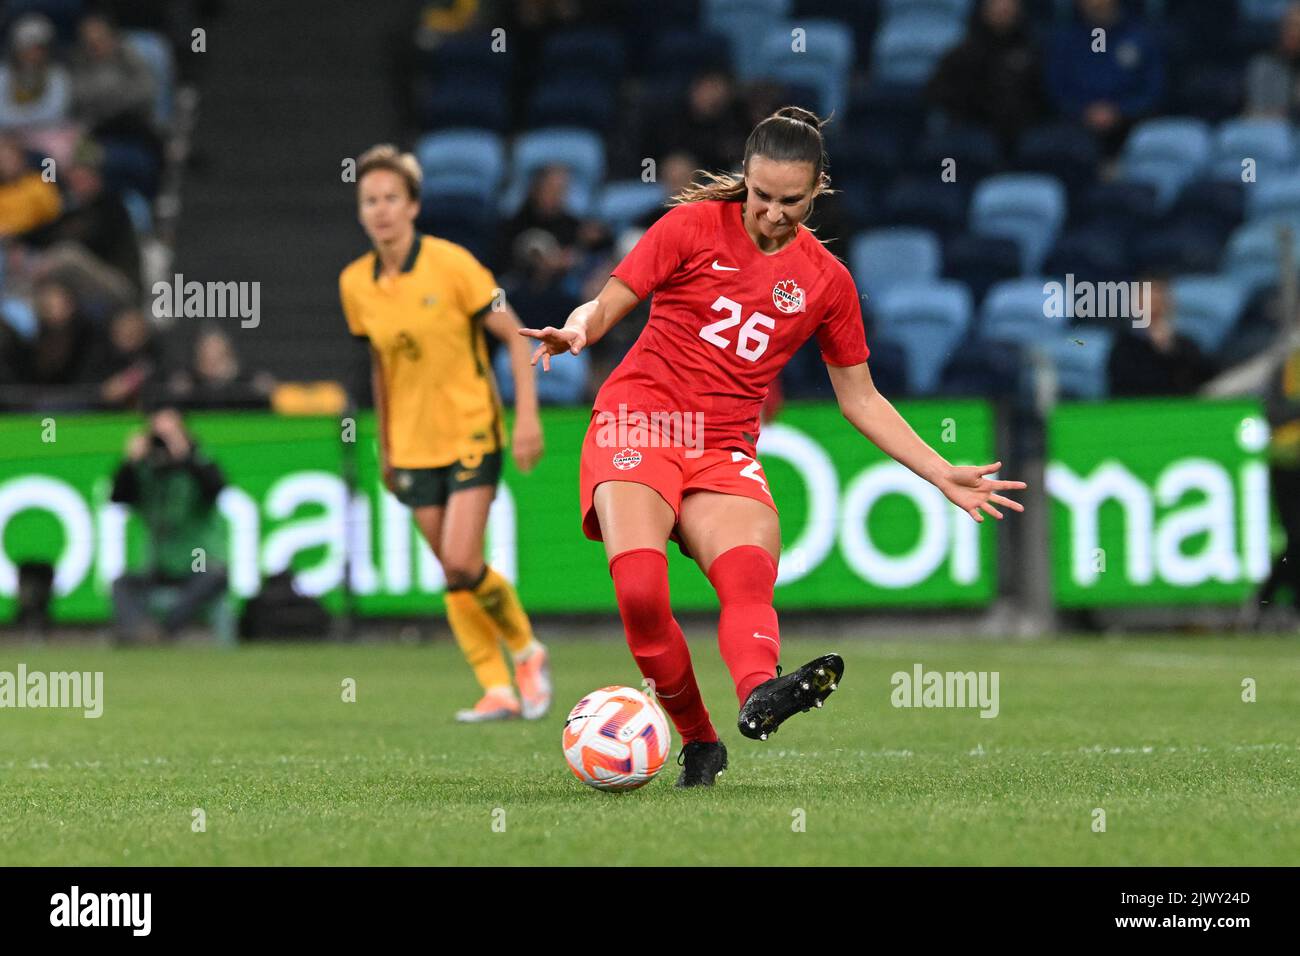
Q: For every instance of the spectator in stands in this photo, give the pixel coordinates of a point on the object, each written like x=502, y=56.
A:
x=27, y=201
x=708, y=122
x=172, y=487
x=1156, y=360
x=129, y=360
x=66, y=344
x=546, y=208
x=993, y=78
x=113, y=88
x=34, y=91
x=93, y=245
x=1273, y=78
x=1107, y=89
x=215, y=378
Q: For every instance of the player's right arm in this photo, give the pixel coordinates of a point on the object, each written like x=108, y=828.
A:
x=381, y=416
x=586, y=325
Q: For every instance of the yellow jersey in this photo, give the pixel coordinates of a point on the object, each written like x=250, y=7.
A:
x=426, y=324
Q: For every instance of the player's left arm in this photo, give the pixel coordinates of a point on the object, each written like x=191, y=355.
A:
x=966, y=486
x=526, y=443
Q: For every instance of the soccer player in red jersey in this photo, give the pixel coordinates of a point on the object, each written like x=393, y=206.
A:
x=739, y=285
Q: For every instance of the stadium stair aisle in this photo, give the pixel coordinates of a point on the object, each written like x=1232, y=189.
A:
x=266, y=201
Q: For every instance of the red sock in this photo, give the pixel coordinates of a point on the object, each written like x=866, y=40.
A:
x=656, y=639
x=744, y=578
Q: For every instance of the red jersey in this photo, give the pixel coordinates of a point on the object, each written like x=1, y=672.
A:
x=726, y=318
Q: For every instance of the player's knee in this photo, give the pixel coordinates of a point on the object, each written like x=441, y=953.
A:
x=743, y=575
x=641, y=589
x=463, y=575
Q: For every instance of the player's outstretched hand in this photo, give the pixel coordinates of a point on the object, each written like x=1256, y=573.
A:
x=554, y=341
x=967, y=487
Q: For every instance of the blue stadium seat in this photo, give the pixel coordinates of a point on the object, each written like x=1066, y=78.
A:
x=461, y=57
x=581, y=151
x=1168, y=154
x=1015, y=312
x=564, y=384
x=465, y=161
x=957, y=10
x=583, y=50
x=468, y=221
x=1065, y=150
x=982, y=370
x=1270, y=142
x=479, y=101
x=623, y=202
x=1088, y=253
x=154, y=49
x=975, y=152
x=1206, y=307
x=909, y=46
x=1027, y=207
x=885, y=257
x=1081, y=356
x=1251, y=258
x=980, y=262
x=583, y=102
x=1179, y=248
x=743, y=22
x=1275, y=200
x=824, y=64
x=929, y=320
x=1118, y=207
x=916, y=200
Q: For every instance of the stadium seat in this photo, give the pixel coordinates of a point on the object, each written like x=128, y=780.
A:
x=742, y=23
x=469, y=221
x=929, y=319
x=154, y=49
x=479, y=101
x=1118, y=207
x=915, y=200
x=581, y=151
x=1015, y=312
x=980, y=262
x=1027, y=207
x=958, y=10
x=460, y=58
x=466, y=161
x=585, y=102
x=564, y=384
x=1167, y=153
x=1064, y=150
x=1274, y=200
x=623, y=202
x=1270, y=142
x=1080, y=357
x=909, y=46
x=824, y=64
x=583, y=50
x=975, y=152
x=1179, y=248
x=987, y=370
x=884, y=257
x=1206, y=307
x=1251, y=258
x=1096, y=255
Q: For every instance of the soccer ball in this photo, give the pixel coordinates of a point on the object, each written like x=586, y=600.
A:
x=616, y=738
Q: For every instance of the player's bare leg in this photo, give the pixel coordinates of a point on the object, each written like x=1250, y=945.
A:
x=635, y=522
x=737, y=543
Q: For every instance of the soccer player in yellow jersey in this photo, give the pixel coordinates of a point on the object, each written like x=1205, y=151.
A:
x=423, y=303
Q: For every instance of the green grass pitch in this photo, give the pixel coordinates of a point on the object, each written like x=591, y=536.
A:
x=1153, y=731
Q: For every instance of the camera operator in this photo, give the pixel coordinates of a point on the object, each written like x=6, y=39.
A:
x=172, y=486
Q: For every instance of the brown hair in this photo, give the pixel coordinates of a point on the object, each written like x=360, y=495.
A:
x=387, y=156
x=790, y=135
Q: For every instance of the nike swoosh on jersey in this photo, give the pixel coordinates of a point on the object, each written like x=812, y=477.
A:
x=725, y=268
x=764, y=637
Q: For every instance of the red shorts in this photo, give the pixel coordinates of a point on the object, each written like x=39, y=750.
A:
x=674, y=472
